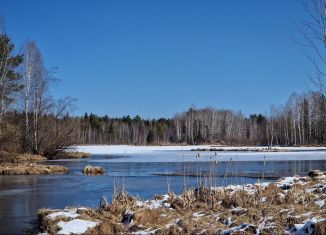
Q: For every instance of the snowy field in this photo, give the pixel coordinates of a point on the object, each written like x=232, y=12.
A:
x=129, y=153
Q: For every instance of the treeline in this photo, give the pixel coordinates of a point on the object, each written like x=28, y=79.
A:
x=301, y=121
x=31, y=121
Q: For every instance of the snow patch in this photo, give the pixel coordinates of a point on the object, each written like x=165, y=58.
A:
x=305, y=229
x=76, y=226
x=310, y=190
x=198, y=214
x=240, y=228
x=67, y=214
x=263, y=199
x=320, y=203
x=145, y=232
x=154, y=204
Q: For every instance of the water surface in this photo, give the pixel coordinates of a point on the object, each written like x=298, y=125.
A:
x=144, y=175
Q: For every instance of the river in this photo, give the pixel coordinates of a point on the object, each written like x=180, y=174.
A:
x=145, y=174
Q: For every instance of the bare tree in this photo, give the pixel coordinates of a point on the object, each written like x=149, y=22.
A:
x=2, y=25
x=29, y=74
x=314, y=33
x=38, y=103
x=57, y=131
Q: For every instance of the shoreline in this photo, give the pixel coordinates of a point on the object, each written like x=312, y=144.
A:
x=30, y=164
x=32, y=169
x=266, y=176
x=291, y=205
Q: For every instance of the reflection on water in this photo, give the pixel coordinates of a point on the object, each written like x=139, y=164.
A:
x=21, y=196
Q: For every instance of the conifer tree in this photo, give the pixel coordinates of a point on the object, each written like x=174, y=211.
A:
x=9, y=79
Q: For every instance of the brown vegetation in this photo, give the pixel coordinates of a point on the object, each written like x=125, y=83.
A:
x=93, y=170
x=240, y=149
x=31, y=169
x=248, y=209
x=70, y=155
x=6, y=157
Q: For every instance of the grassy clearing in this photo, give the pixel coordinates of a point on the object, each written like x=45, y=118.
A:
x=288, y=206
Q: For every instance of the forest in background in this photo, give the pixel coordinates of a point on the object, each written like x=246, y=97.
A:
x=301, y=121
x=32, y=121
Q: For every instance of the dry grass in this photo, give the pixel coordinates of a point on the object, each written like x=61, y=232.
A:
x=70, y=155
x=6, y=157
x=31, y=169
x=93, y=170
x=241, y=149
x=238, y=210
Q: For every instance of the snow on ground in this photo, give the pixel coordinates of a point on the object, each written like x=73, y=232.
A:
x=249, y=188
x=198, y=214
x=320, y=203
x=241, y=228
x=305, y=229
x=145, y=232
x=228, y=216
x=154, y=204
x=68, y=214
x=76, y=226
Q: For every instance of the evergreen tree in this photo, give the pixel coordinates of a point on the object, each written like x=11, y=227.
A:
x=150, y=137
x=9, y=79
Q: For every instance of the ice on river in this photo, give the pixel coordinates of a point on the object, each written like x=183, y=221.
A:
x=127, y=153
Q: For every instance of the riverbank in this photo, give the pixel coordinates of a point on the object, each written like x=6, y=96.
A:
x=292, y=205
x=241, y=149
x=31, y=169
x=258, y=149
x=30, y=164
x=6, y=157
x=70, y=155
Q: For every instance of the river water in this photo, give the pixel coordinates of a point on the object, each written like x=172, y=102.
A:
x=144, y=174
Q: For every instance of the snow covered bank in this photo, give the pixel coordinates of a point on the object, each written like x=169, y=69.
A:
x=76, y=226
x=292, y=205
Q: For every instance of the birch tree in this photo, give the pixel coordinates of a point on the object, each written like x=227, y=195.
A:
x=36, y=97
x=29, y=74
x=313, y=30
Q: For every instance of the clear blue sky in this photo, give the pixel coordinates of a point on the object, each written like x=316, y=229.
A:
x=155, y=58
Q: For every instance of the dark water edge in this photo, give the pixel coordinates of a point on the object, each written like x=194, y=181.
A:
x=22, y=196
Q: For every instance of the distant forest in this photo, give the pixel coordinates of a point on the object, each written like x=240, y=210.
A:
x=301, y=121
